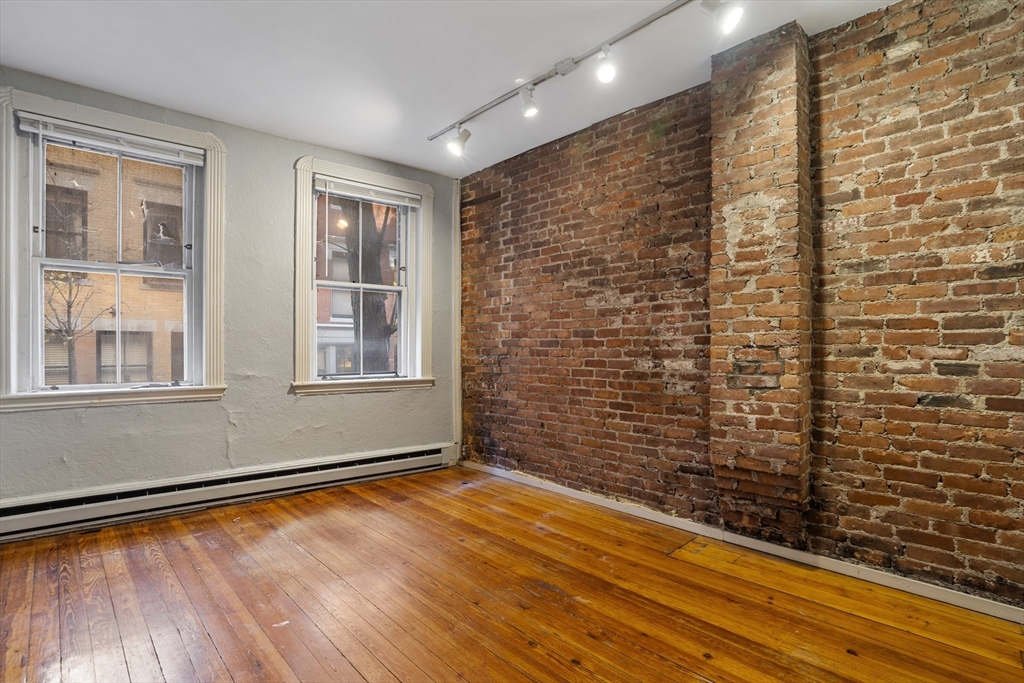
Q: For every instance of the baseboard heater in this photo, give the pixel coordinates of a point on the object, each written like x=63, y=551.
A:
x=36, y=519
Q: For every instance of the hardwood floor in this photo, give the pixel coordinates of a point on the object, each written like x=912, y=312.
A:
x=457, y=575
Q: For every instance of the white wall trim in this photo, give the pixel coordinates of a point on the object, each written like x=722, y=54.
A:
x=107, y=397
x=456, y=247
x=912, y=586
x=361, y=386
x=8, y=271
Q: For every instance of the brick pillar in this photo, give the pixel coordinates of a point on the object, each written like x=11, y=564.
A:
x=760, y=285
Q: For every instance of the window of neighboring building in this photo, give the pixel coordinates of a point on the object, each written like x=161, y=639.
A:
x=366, y=290
x=119, y=284
x=131, y=360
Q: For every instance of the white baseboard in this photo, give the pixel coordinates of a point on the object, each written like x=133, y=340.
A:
x=912, y=586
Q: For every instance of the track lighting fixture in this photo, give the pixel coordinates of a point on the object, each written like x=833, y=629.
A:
x=529, y=106
x=606, y=69
x=458, y=143
x=727, y=14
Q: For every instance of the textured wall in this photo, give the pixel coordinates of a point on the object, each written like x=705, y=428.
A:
x=258, y=422
x=760, y=285
x=587, y=312
x=584, y=309
x=919, y=441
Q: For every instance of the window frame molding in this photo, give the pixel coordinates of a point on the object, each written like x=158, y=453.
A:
x=214, y=178
x=305, y=383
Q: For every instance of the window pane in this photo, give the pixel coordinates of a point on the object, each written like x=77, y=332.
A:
x=337, y=238
x=81, y=205
x=76, y=306
x=151, y=218
x=335, y=332
x=152, y=329
x=350, y=322
x=380, y=244
x=380, y=332
x=136, y=357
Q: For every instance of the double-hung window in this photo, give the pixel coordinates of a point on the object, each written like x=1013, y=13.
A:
x=112, y=277
x=361, y=281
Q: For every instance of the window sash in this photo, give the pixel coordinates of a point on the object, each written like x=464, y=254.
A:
x=44, y=354
x=109, y=140
x=41, y=263
x=404, y=334
x=370, y=193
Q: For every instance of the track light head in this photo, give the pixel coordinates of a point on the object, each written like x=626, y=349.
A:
x=529, y=106
x=727, y=14
x=606, y=68
x=458, y=143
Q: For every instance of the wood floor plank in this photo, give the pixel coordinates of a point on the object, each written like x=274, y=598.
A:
x=75, y=642
x=244, y=662
x=440, y=636
x=955, y=615
x=44, y=630
x=308, y=652
x=363, y=617
x=884, y=654
x=355, y=638
x=952, y=662
x=597, y=668
x=205, y=658
x=705, y=650
x=429, y=583
x=136, y=641
x=860, y=599
x=879, y=634
x=175, y=664
x=476, y=484
x=865, y=599
x=108, y=651
x=17, y=575
x=456, y=575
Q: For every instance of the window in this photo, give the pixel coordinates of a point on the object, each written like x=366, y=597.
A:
x=135, y=351
x=116, y=296
x=362, y=322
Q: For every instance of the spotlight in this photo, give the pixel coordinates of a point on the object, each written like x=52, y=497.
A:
x=605, y=72
x=529, y=106
x=458, y=143
x=726, y=14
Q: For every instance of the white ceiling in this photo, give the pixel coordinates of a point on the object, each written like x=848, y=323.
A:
x=379, y=77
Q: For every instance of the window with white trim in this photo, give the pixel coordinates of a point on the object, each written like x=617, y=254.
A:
x=109, y=293
x=361, y=320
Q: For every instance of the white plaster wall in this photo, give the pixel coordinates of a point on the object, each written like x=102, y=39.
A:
x=258, y=422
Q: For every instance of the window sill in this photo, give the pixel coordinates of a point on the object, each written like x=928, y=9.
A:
x=358, y=386
x=48, y=400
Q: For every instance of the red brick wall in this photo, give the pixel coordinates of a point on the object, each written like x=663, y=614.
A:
x=588, y=323
x=760, y=285
x=585, y=325
x=919, y=172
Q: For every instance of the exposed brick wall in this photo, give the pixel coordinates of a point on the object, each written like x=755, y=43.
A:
x=919, y=170
x=760, y=285
x=585, y=309
x=595, y=355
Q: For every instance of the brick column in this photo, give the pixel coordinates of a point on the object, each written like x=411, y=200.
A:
x=760, y=294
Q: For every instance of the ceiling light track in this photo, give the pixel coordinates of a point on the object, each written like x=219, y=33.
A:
x=563, y=67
